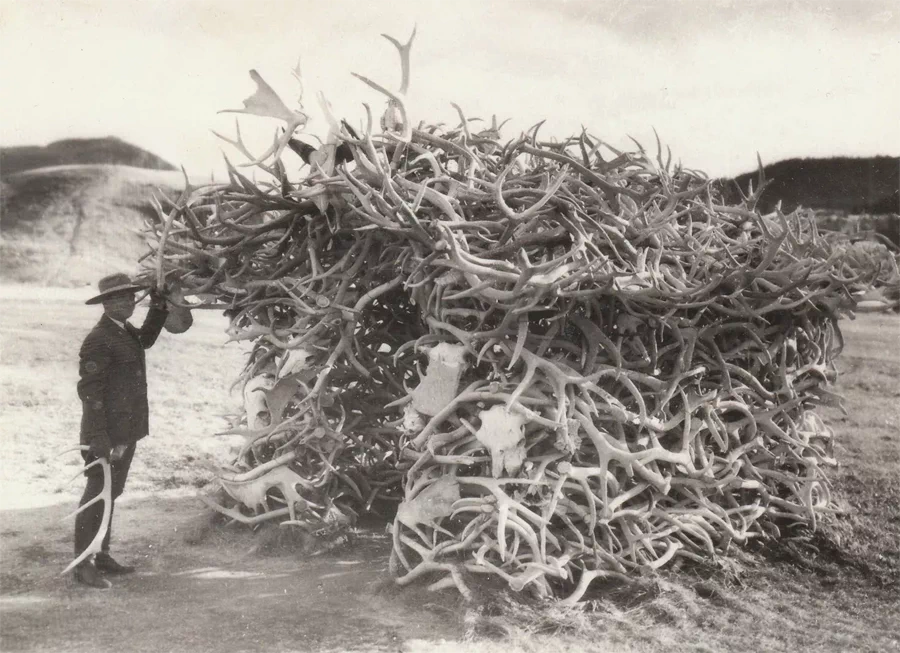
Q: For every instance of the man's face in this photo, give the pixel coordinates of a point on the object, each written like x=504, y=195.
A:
x=119, y=307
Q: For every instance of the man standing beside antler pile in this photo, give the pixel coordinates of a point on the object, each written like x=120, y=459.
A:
x=113, y=391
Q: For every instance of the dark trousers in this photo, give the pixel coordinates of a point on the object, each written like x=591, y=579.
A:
x=88, y=522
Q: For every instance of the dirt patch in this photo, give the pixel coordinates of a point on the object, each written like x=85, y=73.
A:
x=217, y=589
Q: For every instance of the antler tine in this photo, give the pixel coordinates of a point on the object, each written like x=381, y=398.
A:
x=238, y=143
x=333, y=125
x=404, y=50
x=298, y=75
x=464, y=122
x=106, y=496
x=275, y=150
x=240, y=517
x=397, y=101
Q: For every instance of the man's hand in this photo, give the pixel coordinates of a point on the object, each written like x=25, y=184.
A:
x=158, y=297
x=100, y=447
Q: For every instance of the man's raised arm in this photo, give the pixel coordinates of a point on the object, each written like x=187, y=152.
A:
x=155, y=320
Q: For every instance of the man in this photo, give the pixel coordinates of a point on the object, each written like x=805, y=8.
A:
x=113, y=391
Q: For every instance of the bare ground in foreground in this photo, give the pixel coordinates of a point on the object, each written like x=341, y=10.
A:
x=206, y=586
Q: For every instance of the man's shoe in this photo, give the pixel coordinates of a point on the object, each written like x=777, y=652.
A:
x=105, y=563
x=87, y=574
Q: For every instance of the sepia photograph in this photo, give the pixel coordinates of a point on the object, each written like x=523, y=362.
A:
x=477, y=326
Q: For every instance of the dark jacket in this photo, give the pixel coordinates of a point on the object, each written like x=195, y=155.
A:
x=113, y=383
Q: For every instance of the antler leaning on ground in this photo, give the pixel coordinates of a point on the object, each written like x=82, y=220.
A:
x=105, y=496
x=621, y=369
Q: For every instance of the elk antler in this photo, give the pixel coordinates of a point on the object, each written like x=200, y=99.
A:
x=404, y=50
x=266, y=103
x=106, y=497
x=253, y=492
x=395, y=117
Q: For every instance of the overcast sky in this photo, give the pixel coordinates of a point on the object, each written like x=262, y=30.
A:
x=718, y=80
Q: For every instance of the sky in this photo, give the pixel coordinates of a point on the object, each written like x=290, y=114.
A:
x=719, y=81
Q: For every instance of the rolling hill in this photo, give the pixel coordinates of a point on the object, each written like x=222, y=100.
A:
x=78, y=151
x=840, y=184
x=70, y=225
x=71, y=211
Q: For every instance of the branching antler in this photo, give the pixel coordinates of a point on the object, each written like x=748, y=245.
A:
x=266, y=103
x=105, y=496
x=404, y=50
x=395, y=116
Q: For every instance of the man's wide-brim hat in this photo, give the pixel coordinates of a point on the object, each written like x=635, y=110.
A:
x=114, y=284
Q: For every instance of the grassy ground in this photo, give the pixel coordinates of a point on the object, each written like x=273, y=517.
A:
x=835, y=590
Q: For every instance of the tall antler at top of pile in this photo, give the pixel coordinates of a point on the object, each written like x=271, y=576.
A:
x=560, y=366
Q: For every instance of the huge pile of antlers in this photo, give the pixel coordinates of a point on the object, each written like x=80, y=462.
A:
x=557, y=367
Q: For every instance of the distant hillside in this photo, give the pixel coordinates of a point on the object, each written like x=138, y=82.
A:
x=863, y=185
x=71, y=225
x=75, y=151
